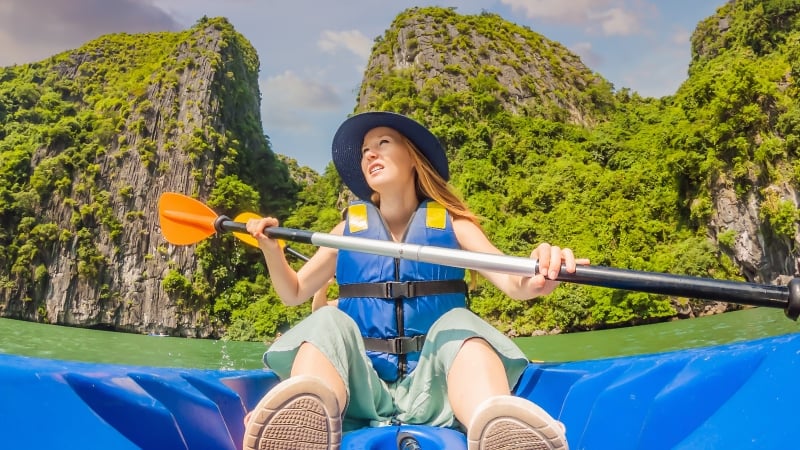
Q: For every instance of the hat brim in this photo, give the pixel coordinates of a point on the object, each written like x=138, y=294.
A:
x=349, y=138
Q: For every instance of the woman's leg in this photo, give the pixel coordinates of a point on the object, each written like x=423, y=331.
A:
x=311, y=361
x=463, y=361
x=326, y=372
x=478, y=385
x=476, y=375
x=307, y=407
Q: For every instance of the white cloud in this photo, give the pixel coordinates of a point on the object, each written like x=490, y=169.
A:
x=611, y=17
x=288, y=88
x=572, y=12
x=617, y=22
x=353, y=41
x=288, y=100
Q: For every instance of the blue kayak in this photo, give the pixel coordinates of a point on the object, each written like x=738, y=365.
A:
x=732, y=396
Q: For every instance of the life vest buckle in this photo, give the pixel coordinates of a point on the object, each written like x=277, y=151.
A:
x=400, y=289
x=398, y=346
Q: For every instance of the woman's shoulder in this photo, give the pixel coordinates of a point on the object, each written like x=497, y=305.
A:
x=338, y=229
x=471, y=236
x=465, y=225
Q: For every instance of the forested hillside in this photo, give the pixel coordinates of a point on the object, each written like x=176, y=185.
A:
x=90, y=138
x=702, y=182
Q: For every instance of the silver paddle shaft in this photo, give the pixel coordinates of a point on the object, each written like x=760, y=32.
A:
x=513, y=265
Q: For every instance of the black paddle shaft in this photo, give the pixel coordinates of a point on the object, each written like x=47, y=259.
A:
x=772, y=296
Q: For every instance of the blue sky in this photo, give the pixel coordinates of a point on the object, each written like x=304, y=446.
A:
x=313, y=53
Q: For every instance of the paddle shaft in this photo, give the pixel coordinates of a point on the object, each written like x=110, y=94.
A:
x=295, y=253
x=785, y=297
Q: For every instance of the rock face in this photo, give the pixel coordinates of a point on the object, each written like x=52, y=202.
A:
x=758, y=208
x=176, y=136
x=441, y=50
x=186, y=119
x=762, y=256
x=434, y=53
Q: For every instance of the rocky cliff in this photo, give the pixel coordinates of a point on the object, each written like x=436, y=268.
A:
x=734, y=117
x=744, y=75
x=140, y=115
x=442, y=52
x=701, y=183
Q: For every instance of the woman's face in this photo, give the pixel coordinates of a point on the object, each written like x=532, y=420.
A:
x=385, y=159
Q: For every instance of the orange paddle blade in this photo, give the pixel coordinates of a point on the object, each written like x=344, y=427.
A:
x=184, y=220
x=244, y=237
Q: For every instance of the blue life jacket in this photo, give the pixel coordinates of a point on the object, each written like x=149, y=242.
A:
x=395, y=301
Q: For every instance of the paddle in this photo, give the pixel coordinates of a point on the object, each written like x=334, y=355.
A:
x=250, y=240
x=185, y=221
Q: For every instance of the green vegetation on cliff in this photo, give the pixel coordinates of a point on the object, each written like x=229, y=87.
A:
x=628, y=181
x=540, y=147
x=88, y=140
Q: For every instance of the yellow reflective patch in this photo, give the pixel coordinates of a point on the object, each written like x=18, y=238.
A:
x=436, y=216
x=357, y=217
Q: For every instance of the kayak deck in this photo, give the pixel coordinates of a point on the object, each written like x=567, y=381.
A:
x=737, y=395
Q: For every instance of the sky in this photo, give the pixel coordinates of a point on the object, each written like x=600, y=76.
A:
x=313, y=53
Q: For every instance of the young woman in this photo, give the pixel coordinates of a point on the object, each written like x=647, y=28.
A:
x=401, y=347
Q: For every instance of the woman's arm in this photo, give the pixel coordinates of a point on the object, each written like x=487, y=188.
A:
x=321, y=297
x=550, y=257
x=293, y=287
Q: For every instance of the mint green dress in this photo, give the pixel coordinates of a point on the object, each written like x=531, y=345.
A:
x=419, y=398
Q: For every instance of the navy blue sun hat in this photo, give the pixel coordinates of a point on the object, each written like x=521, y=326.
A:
x=349, y=138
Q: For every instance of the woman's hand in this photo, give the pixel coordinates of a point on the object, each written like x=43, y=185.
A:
x=256, y=229
x=550, y=259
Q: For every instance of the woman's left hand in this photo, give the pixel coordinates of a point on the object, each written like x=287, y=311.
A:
x=551, y=258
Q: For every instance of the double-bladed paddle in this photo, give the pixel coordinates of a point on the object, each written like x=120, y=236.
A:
x=250, y=240
x=186, y=221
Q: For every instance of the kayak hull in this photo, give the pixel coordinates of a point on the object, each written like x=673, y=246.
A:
x=738, y=395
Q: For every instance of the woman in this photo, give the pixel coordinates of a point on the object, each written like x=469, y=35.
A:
x=401, y=347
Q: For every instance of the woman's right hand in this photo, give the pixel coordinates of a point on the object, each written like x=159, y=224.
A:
x=256, y=228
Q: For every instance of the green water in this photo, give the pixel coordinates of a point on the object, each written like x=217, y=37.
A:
x=57, y=342
x=734, y=326
x=49, y=341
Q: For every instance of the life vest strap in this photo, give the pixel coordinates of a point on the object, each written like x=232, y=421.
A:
x=403, y=289
x=398, y=346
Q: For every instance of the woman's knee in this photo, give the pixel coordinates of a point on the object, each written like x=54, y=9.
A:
x=461, y=316
x=476, y=346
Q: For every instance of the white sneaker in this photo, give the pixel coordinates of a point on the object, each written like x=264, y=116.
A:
x=301, y=413
x=508, y=422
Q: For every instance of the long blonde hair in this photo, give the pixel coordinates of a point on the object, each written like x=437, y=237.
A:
x=429, y=184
